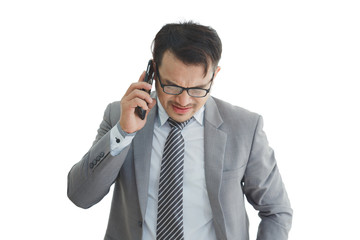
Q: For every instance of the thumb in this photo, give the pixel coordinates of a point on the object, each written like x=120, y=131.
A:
x=152, y=104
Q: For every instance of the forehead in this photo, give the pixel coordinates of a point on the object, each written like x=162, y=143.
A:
x=172, y=70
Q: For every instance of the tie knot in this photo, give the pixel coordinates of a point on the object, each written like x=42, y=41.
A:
x=179, y=125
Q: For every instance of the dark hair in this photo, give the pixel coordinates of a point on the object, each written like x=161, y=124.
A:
x=190, y=42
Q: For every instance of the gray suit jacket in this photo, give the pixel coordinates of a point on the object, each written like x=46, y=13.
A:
x=238, y=161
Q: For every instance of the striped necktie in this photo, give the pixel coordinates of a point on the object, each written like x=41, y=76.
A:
x=170, y=198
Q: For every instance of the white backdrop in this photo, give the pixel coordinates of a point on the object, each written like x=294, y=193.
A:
x=61, y=62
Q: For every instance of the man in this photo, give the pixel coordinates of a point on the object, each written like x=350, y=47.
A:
x=183, y=171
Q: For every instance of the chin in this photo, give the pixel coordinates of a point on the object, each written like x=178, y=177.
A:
x=181, y=118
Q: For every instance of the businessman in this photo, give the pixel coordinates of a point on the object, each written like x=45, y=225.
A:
x=183, y=171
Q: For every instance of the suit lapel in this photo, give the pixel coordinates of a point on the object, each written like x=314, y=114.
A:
x=215, y=142
x=142, y=156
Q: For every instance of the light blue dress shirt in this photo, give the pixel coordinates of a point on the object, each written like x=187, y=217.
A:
x=198, y=220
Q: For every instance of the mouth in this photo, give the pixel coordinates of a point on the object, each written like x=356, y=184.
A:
x=181, y=110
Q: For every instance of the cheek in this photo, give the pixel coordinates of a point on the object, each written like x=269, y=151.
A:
x=164, y=99
x=200, y=101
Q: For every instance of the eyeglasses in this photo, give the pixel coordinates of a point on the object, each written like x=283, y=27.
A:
x=177, y=90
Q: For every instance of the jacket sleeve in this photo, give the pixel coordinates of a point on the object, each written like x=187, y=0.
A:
x=265, y=190
x=90, y=179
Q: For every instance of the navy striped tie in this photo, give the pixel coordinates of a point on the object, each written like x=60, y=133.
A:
x=170, y=198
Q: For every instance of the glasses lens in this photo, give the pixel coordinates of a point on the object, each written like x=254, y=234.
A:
x=195, y=92
x=172, y=90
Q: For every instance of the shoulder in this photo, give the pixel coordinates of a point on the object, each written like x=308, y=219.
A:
x=114, y=107
x=237, y=122
x=235, y=115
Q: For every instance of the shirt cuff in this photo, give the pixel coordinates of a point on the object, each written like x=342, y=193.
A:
x=119, y=139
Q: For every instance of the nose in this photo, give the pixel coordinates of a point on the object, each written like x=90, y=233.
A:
x=183, y=99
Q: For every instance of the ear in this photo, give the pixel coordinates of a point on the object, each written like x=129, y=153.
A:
x=154, y=64
x=218, y=68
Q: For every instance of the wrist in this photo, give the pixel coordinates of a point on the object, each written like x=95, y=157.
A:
x=123, y=132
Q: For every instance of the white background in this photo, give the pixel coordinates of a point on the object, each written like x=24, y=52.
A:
x=294, y=62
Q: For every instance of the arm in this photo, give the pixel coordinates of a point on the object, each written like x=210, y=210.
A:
x=265, y=190
x=90, y=179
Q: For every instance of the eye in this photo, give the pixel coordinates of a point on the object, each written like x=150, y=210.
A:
x=172, y=89
x=197, y=91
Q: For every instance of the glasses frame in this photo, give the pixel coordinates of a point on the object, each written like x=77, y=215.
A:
x=183, y=88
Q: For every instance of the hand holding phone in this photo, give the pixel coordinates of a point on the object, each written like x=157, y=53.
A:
x=136, y=102
x=149, y=76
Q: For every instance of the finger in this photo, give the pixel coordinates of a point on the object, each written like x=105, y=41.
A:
x=150, y=107
x=137, y=102
x=152, y=104
x=139, y=94
x=137, y=98
x=138, y=86
x=142, y=77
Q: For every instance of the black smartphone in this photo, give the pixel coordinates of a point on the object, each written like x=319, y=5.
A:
x=149, y=77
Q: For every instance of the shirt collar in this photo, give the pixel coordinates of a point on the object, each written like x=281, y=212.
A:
x=163, y=116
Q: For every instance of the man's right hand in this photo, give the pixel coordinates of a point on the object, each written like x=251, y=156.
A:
x=135, y=97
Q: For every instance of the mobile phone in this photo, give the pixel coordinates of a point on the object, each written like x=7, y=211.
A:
x=149, y=77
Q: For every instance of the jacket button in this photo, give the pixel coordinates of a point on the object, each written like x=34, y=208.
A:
x=101, y=154
x=91, y=165
x=140, y=223
x=98, y=158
